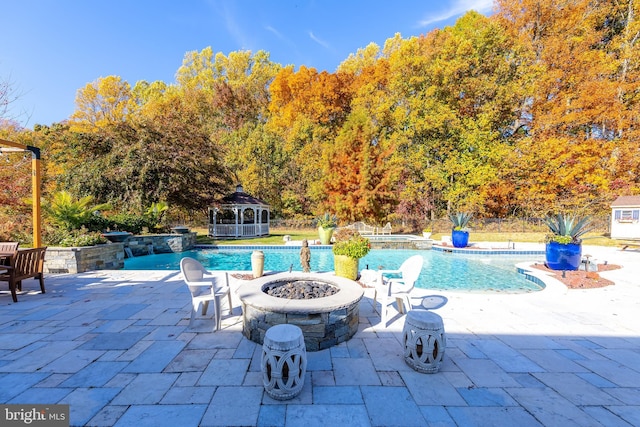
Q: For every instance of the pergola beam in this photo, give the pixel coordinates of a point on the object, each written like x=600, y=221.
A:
x=12, y=147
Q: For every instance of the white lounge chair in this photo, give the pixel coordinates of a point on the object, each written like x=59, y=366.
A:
x=397, y=288
x=363, y=228
x=386, y=229
x=205, y=287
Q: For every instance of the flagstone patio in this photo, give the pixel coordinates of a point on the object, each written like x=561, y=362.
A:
x=115, y=346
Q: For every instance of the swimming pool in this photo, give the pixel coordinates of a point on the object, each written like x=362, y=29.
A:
x=441, y=270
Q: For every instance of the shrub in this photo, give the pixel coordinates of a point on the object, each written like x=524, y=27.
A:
x=69, y=213
x=155, y=214
x=82, y=237
x=351, y=244
x=128, y=222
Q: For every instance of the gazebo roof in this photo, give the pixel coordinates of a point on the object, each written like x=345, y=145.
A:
x=241, y=198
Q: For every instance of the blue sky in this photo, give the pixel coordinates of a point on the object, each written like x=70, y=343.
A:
x=50, y=49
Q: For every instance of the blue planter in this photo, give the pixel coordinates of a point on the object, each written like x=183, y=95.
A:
x=459, y=238
x=563, y=257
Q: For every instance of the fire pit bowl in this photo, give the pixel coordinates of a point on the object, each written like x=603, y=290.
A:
x=325, y=321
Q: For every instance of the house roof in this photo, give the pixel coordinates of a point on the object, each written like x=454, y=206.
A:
x=626, y=201
x=242, y=198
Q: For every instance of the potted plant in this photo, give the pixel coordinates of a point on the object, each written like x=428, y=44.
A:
x=426, y=232
x=326, y=225
x=350, y=246
x=460, y=231
x=563, y=249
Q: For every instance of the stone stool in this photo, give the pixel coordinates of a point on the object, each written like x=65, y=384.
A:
x=284, y=361
x=424, y=340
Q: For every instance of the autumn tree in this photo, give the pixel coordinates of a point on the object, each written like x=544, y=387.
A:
x=232, y=95
x=8, y=95
x=580, y=110
x=358, y=173
x=100, y=104
x=15, y=186
x=531, y=109
x=307, y=109
x=168, y=157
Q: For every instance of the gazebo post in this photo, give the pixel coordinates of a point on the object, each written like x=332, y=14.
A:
x=237, y=232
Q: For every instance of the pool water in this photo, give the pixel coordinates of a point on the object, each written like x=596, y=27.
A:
x=442, y=271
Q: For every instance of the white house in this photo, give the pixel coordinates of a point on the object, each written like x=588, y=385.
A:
x=625, y=218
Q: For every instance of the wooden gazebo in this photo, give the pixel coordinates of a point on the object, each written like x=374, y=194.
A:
x=239, y=215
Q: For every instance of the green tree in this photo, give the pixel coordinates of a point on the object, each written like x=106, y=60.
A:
x=457, y=90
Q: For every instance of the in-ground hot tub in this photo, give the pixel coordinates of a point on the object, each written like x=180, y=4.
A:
x=325, y=321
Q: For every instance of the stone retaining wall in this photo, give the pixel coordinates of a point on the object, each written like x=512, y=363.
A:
x=160, y=243
x=80, y=259
x=111, y=255
x=408, y=244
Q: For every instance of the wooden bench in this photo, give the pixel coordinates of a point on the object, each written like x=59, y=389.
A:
x=23, y=264
x=629, y=243
x=7, y=249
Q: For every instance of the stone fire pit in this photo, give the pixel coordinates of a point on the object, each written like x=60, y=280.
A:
x=325, y=321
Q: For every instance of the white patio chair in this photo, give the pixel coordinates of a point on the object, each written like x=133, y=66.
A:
x=204, y=287
x=397, y=288
x=386, y=229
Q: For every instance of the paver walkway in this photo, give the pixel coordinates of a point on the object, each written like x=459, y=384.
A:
x=116, y=347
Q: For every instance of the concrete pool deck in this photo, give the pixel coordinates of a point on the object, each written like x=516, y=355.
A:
x=115, y=346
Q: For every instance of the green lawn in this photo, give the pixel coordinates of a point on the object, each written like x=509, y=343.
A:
x=276, y=237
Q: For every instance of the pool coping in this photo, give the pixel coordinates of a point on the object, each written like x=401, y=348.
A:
x=486, y=251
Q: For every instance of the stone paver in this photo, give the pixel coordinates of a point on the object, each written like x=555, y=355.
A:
x=116, y=347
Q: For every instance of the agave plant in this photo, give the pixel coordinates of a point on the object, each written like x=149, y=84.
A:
x=568, y=228
x=327, y=221
x=460, y=220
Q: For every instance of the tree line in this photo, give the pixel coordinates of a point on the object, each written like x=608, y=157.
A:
x=531, y=110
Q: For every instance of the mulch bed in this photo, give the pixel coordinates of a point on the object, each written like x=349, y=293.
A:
x=581, y=279
x=242, y=276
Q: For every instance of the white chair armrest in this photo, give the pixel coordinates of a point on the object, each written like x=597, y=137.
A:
x=203, y=283
x=390, y=271
x=220, y=275
x=398, y=285
x=216, y=289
